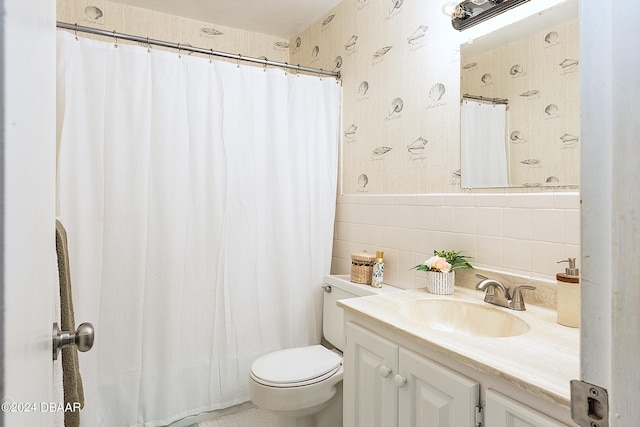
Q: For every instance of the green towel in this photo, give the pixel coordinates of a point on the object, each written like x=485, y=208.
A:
x=71, y=380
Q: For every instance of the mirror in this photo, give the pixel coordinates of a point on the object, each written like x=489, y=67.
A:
x=532, y=66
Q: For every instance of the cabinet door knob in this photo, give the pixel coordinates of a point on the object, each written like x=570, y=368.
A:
x=385, y=371
x=400, y=381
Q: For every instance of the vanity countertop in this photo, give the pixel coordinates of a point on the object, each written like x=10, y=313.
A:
x=541, y=361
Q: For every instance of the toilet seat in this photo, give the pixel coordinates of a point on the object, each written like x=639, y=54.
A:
x=295, y=367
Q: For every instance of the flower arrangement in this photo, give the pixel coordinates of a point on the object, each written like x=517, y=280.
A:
x=444, y=262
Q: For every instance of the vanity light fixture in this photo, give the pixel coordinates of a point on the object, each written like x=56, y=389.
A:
x=471, y=12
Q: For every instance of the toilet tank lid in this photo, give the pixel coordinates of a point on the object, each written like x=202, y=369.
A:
x=357, y=289
x=296, y=364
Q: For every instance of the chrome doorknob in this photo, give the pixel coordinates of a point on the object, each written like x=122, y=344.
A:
x=81, y=338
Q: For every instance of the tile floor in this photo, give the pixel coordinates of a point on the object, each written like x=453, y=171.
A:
x=254, y=417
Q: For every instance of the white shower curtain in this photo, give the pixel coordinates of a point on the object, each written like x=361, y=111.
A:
x=483, y=145
x=199, y=202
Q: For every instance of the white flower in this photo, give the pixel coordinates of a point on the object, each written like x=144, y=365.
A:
x=436, y=263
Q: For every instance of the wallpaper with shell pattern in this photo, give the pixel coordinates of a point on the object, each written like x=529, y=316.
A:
x=126, y=19
x=400, y=65
x=400, y=74
x=539, y=75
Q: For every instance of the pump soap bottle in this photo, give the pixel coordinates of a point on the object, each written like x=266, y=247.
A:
x=569, y=295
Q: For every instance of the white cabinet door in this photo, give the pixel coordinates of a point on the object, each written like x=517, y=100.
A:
x=370, y=364
x=501, y=411
x=431, y=395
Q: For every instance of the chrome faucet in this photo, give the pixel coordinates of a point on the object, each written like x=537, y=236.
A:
x=498, y=294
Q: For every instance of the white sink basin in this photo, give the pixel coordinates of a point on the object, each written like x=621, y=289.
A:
x=466, y=318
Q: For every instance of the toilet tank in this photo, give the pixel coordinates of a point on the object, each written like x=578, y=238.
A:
x=341, y=288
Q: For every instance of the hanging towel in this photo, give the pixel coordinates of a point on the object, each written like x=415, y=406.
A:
x=71, y=380
x=483, y=145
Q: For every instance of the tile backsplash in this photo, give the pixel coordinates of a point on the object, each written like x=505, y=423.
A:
x=523, y=235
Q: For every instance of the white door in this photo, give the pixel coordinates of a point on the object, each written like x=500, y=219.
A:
x=431, y=395
x=369, y=369
x=610, y=279
x=27, y=132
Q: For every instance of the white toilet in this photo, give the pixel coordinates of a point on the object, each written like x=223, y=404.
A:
x=303, y=385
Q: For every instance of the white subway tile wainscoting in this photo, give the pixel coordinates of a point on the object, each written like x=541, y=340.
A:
x=518, y=234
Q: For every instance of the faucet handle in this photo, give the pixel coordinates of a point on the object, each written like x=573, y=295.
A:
x=517, y=302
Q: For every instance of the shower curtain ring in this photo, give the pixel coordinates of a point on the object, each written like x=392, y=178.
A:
x=264, y=68
x=210, y=56
x=298, y=71
x=115, y=39
x=238, y=62
x=76, y=31
x=179, y=56
x=148, y=45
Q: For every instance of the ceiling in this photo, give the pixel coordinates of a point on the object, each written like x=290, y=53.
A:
x=281, y=18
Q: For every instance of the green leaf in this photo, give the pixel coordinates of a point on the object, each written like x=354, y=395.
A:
x=455, y=258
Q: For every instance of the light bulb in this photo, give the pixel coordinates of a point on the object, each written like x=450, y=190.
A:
x=449, y=8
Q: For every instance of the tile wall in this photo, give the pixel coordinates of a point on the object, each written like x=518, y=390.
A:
x=518, y=234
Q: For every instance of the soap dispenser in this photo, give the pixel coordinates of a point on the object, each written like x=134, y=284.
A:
x=569, y=295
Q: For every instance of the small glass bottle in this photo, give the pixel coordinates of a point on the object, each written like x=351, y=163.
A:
x=378, y=270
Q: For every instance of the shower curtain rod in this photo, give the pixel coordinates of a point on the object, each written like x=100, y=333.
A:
x=483, y=98
x=180, y=47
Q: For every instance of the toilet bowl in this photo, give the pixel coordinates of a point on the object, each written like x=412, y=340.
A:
x=303, y=385
x=298, y=383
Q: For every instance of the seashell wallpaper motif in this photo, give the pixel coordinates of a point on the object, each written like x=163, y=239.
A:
x=418, y=36
x=437, y=91
x=351, y=43
x=516, y=70
x=378, y=54
x=400, y=76
x=539, y=75
x=114, y=15
x=396, y=107
x=210, y=32
x=416, y=148
x=363, y=88
x=379, y=151
x=93, y=12
x=326, y=21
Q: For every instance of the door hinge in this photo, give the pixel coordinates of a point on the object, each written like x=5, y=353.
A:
x=589, y=404
x=479, y=416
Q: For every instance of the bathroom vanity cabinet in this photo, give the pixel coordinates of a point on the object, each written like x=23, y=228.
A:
x=387, y=385
x=391, y=380
x=501, y=411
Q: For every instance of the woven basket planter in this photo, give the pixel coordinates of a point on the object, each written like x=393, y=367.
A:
x=440, y=283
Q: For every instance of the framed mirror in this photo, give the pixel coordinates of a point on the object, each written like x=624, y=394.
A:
x=520, y=107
